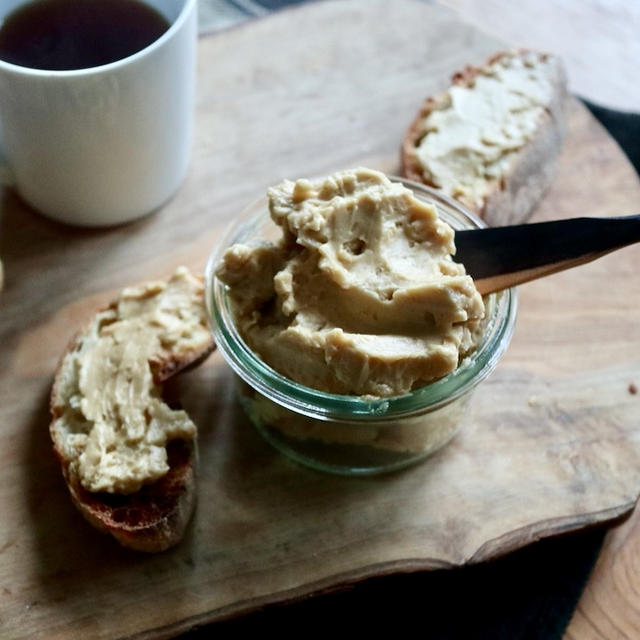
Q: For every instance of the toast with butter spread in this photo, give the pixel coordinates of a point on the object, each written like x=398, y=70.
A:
x=127, y=457
x=492, y=139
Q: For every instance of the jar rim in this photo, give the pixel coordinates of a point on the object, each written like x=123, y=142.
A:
x=323, y=405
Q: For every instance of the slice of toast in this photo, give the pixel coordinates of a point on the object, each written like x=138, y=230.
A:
x=492, y=139
x=128, y=459
x=151, y=519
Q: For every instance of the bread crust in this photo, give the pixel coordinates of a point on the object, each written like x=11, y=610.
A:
x=511, y=198
x=152, y=519
x=155, y=517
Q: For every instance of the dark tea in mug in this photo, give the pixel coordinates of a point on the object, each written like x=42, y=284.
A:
x=60, y=35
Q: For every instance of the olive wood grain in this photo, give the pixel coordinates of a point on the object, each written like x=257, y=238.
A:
x=551, y=442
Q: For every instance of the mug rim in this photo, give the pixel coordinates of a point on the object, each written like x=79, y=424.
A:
x=176, y=25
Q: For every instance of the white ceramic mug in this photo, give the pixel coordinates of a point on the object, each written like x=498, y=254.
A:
x=108, y=144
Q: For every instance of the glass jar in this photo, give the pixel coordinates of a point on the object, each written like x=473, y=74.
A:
x=344, y=434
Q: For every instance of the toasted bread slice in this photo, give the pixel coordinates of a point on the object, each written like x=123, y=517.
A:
x=151, y=519
x=491, y=141
x=128, y=459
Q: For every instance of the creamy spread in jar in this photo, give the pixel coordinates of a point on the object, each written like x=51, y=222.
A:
x=360, y=295
x=112, y=421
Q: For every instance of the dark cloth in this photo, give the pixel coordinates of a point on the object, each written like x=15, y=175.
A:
x=624, y=127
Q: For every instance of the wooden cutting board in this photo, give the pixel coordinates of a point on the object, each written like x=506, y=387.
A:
x=552, y=443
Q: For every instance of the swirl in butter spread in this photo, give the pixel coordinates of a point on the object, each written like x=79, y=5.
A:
x=476, y=134
x=360, y=295
x=112, y=421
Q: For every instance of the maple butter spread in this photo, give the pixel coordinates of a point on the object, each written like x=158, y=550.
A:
x=475, y=134
x=360, y=295
x=112, y=425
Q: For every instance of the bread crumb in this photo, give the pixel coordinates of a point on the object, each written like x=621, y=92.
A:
x=633, y=389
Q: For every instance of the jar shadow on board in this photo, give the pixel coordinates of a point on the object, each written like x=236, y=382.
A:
x=344, y=434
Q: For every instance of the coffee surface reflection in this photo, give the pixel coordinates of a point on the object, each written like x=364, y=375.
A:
x=61, y=35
